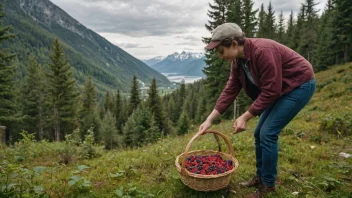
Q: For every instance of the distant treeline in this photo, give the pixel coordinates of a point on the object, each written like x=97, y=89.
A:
x=48, y=102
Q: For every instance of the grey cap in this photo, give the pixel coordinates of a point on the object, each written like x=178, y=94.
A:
x=223, y=31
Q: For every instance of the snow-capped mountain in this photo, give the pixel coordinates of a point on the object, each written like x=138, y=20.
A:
x=184, y=63
x=154, y=60
x=184, y=56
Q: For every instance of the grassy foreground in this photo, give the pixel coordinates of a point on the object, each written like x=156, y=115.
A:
x=309, y=160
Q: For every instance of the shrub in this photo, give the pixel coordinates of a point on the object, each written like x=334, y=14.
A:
x=339, y=125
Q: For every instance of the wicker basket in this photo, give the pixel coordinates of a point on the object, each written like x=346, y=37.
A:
x=206, y=182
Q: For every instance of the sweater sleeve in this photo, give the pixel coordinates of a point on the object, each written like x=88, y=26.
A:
x=230, y=92
x=270, y=70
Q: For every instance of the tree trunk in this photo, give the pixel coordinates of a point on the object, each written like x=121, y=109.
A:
x=346, y=53
x=41, y=131
x=56, y=124
x=2, y=135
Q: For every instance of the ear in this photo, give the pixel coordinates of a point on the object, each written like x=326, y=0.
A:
x=234, y=43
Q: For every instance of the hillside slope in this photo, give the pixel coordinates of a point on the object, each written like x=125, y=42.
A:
x=37, y=23
x=309, y=161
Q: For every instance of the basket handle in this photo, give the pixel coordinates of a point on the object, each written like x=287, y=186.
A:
x=196, y=136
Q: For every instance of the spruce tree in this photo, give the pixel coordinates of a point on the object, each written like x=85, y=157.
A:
x=281, y=38
x=108, y=132
x=289, y=35
x=154, y=103
x=250, y=20
x=137, y=126
x=308, y=32
x=62, y=91
x=261, y=26
x=217, y=13
x=201, y=110
x=134, y=99
x=7, y=75
x=118, y=111
x=34, y=98
x=172, y=110
x=235, y=13
x=153, y=133
x=343, y=30
x=183, y=124
x=269, y=23
x=217, y=69
x=108, y=102
x=180, y=98
x=325, y=53
x=88, y=116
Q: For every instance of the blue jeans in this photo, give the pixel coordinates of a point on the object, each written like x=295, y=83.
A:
x=269, y=126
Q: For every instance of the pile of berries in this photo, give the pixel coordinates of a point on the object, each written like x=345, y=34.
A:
x=207, y=165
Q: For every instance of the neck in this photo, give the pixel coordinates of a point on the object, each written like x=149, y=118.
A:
x=241, y=52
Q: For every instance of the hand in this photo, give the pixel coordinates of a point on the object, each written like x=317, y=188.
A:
x=239, y=125
x=203, y=127
x=241, y=122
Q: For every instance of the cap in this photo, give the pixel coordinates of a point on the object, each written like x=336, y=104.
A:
x=223, y=31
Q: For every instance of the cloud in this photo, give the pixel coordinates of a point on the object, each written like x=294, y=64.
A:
x=188, y=43
x=152, y=28
x=138, y=17
x=287, y=6
x=128, y=45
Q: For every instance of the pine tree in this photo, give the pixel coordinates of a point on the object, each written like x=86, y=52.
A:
x=250, y=19
x=289, y=36
x=62, y=91
x=218, y=12
x=343, y=30
x=217, y=69
x=35, y=96
x=108, y=132
x=172, y=110
x=153, y=133
x=325, y=53
x=281, y=30
x=235, y=13
x=118, y=111
x=296, y=36
x=180, y=98
x=201, y=110
x=261, y=27
x=88, y=116
x=183, y=124
x=308, y=32
x=134, y=99
x=154, y=103
x=137, y=126
x=269, y=23
x=7, y=74
x=108, y=102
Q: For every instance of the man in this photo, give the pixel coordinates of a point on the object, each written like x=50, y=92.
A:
x=279, y=80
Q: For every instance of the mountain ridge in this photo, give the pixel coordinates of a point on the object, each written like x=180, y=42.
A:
x=38, y=22
x=184, y=63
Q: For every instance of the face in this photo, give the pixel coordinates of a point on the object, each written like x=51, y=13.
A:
x=228, y=53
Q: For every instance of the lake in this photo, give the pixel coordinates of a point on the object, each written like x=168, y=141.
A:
x=174, y=77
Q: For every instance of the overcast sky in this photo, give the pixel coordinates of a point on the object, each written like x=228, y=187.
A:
x=149, y=28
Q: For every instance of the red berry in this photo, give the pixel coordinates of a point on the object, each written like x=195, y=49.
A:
x=208, y=165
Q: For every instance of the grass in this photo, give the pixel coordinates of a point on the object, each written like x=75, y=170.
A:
x=309, y=161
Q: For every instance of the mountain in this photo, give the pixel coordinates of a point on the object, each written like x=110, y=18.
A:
x=184, y=63
x=37, y=23
x=154, y=60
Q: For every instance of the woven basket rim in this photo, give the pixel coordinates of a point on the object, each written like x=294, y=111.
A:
x=234, y=160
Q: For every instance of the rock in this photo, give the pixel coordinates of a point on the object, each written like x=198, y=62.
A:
x=345, y=155
x=295, y=193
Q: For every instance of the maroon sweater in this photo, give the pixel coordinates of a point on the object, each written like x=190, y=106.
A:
x=276, y=70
